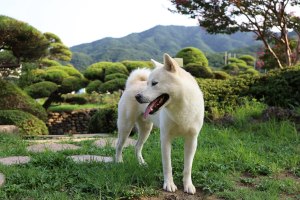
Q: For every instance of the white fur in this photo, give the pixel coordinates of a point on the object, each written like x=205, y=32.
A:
x=182, y=115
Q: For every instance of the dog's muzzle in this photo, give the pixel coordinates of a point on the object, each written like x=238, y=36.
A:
x=140, y=98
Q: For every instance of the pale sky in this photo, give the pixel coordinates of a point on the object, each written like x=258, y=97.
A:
x=84, y=21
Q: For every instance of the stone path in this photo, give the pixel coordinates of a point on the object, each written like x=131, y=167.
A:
x=54, y=147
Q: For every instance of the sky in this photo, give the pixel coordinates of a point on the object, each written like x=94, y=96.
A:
x=83, y=21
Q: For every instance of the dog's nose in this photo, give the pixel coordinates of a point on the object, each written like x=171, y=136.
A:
x=139, y=97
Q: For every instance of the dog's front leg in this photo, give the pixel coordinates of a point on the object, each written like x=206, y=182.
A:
x=166, y=160
x=190, y=147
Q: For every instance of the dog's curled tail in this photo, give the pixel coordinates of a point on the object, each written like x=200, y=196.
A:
x=140, y=74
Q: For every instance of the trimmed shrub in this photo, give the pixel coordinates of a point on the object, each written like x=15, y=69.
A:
x=12, y=97
x=132, y=65
x=76, y=100
x=199, y=71
x=279, y=87
x=71, y=71
x=221, y=75
x=71, y=84
x=93, y=86
x=55, y=75
x=104, y=120
x=248, y=59
x=115, y=76
x=47, y=62
x=192, y=55
x=113, y=85
x=41, y=89
x=101, y=69
x=27, y=123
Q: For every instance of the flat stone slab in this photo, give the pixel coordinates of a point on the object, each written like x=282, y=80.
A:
x=103, y=142
x=91, y=158
x=51, y=147
x=15, y=160
x=2, y=179
x=9, y=129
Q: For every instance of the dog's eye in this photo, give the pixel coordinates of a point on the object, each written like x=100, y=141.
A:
x=153, y=83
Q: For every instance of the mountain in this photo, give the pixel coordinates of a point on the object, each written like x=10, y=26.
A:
x=154, y=42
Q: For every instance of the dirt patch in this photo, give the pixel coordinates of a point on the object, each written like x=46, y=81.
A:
x=180, y=195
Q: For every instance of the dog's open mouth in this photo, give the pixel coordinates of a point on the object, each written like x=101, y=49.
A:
x=154, y=105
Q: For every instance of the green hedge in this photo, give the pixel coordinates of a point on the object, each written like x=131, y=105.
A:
x=93, y=86
x=27, y=123
x=199, y=71
x=12, y=97
x=115, y=76
x=279, y=87
x=113, y=85
x=132, y=65
x=104, y=120
x=41, y=89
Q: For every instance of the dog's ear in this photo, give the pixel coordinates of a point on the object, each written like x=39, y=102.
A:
x=170, y=64
x=156, y=64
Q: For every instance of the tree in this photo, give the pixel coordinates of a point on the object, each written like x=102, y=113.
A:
x=192, y=55
x=258, y=16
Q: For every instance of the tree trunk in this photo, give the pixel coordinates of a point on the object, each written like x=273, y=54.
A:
x=53, y=96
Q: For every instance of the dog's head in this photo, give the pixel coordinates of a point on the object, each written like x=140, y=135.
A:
x=161, y=85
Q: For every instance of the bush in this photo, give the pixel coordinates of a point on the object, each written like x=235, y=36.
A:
x=104, y=120
x=101, y=69
x=93, y=86
x=248, y=59
x=115, y=76
x=76, y=100
x=47, y=62
x=55, y=75
x=132, y=65
x=71, y=71
x=221, y=75
x=41, y=89
x=12, y=97
x=192, y=55
x=199, y=71
x=279, y=87
x=71, y=84
x=27, y=123
x=113, y=85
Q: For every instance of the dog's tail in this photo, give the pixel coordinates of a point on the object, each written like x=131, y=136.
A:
x=137, y=75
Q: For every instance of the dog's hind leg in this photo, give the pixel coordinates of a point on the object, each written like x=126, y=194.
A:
x=144, y=129
x=124, y=128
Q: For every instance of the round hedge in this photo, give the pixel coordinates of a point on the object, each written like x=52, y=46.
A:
x=115, y=76
x=71, y=71
x=101, y=69
x=199, y=71
x=41, y=89
x=104, y=120
x=71, y=84
x=93, y=86
x=132, y=65
x=192, y=55
x=113, y=85
x=26, y=122
x=55, y=75
x=12, y=97
x=221, y=75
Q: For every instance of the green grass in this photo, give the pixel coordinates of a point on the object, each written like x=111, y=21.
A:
x=71, y=107
x=248, y=160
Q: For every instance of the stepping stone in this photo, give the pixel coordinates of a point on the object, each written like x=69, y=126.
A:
x=9, y=129
x=103, y=142
x=2, y=179
x=51, y=147
x=91, y=158
x=15, y=160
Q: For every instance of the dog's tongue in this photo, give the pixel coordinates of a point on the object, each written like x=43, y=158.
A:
x=150, y=108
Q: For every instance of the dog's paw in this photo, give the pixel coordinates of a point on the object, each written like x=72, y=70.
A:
x=189, y=188
x=170, y=186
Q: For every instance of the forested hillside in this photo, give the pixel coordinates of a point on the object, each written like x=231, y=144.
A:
x=154, y=42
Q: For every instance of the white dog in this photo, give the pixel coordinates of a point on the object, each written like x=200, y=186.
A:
x=170, y=98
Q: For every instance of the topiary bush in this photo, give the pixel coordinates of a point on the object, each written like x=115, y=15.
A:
x=41, y=89
x=279, y=87
x=113, y=85
x=93, y=86
x=192, y=55
x=115, y=76
x=132, y=65
x=76, y=100
x=104, y=120
x=27, y=123
x=71, y=84
x=199, y=71
x=221, y=75
x=12, y=97
x=101, y=69
x=250, y=60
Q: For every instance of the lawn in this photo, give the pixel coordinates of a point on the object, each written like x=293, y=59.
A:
x=250, y=159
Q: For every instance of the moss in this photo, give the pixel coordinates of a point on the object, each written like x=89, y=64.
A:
x=27, y=123
x=12, y=97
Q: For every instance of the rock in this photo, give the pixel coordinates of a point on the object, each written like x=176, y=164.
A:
x=15, y=160
x=113, y=142
x=51, y=147
x=91, y=158
x=9, y=129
